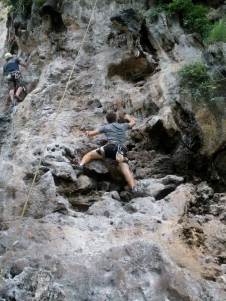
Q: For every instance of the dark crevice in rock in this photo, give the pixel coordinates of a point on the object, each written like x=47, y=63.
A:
x=96, y=176
x=221, y=259
x=149, y=108
x=219, y=161
x=65, y=187
x=145, y=42
x=81, y=207
x=130, y=147
x=62, y=210
x=14, y=48
x=81, y=198
x=187, y=155
x=51, y=9
x=131, y=69
x=141, y=59
x=160, y=140
x=19, y=25
x=130, y=18
x=183, y=148
x=187, y=123
x=218, y=185
x=164, y=192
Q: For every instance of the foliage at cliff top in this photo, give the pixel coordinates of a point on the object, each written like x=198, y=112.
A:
x=193, y=16
x=20, y=6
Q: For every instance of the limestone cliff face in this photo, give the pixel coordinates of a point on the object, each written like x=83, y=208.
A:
x=82, y=237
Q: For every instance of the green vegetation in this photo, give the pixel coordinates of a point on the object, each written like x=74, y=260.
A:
x=154, y=12
x=40, y=1
x=180, y=6
x=18, y=6
x=161, y=5
x=196, y=81
x=21, y=6
x=193, y=16
x=218, y=32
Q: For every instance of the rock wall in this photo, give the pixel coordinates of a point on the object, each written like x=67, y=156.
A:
x=82, y=237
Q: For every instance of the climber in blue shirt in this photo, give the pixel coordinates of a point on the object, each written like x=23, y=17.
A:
x=14, y=79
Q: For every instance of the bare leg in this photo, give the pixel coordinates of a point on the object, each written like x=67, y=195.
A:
x=90, y=156
x=19, y=90
x=124, y=167
x=11, y=94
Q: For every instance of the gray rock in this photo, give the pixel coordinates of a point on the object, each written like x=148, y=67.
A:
x=78, y=238
x=85, y=184
x=112, y=194
x=159, y=188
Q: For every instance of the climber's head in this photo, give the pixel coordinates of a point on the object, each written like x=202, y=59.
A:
x=111, y=117
x=8, y=55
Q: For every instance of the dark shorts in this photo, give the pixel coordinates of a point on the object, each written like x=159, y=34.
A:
x=16, y=83
x=110, y=151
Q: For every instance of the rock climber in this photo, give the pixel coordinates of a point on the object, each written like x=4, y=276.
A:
x=115, y=147
x=13, y=76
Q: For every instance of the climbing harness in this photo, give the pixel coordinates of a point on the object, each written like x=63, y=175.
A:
x=45, y=146
x=120, y=155
x=13, y=75
x=120, y=149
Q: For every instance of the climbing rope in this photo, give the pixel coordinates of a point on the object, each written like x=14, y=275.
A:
x=45, y=146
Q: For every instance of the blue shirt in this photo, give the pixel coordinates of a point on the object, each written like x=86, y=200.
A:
x=11, y=65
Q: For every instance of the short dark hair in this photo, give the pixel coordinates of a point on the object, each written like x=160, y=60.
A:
x=111, y=117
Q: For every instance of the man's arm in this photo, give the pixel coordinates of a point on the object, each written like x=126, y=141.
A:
x=131, y=121
x=22, y=64
x=92, y=133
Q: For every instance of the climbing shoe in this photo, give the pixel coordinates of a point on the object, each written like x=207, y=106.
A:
x=78, y=167
x=136, y=194
x=18, y=98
